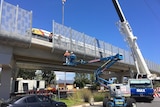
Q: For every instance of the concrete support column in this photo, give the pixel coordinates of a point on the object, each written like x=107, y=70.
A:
x=121, y=75
x=5, y=86
x=15, y=72
x=6, y=62
x=120, y=78
x=5, y=54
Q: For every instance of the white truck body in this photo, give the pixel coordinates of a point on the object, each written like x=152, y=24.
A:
x=22, y=86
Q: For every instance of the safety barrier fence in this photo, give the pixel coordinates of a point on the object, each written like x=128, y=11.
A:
x=15, y=24
x=15, y=19
x=70, y=39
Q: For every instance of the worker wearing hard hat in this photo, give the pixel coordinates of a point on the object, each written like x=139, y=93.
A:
x=67, y=56
x=72, y=57
x=50, y=37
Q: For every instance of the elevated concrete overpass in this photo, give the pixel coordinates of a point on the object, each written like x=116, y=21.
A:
x=41, y=55
x=19, y=49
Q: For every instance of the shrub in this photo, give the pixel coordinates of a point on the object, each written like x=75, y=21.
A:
x=76, y=97
x=86, y=95
x=99, y=96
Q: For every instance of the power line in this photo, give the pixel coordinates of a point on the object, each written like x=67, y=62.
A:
x=158, y=2
x=152, y=11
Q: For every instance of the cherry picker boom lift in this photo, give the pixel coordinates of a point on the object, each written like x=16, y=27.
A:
x=140, y=88
x=119, y=93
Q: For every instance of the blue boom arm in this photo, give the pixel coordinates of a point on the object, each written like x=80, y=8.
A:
x=108, y=62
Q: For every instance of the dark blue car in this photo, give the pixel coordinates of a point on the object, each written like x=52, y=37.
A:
x=32, y=101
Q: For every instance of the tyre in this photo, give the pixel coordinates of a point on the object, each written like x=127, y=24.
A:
x=131, y=102
x=150, y=99
x=105, y=102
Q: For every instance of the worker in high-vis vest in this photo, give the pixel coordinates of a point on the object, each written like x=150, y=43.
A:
x=67, y=56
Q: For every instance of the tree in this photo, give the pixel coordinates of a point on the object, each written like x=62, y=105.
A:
x=93, y=83
x=49, y=77
x=81, y=79
x=26, y=74
x=39, y=74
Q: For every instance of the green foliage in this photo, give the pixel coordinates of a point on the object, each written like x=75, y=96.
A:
x=38, y=74
x=156, y=84
x=82, y=96
x=79, y=97
x=73, y=99
x=99, y=96
x=76, y=97
x=49, y=77
x=81, y=79
x=69, y=103
x=86, y=95
x=26, y=74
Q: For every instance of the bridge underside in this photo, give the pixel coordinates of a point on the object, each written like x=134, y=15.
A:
x=43, y=57
x=37, y=57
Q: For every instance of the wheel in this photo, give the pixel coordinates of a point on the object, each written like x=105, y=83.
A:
x=131, y=102
x=150, y=99
x=105, y=102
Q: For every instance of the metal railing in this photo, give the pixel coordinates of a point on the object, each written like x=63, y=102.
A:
x=70, y=39
x=15, y=24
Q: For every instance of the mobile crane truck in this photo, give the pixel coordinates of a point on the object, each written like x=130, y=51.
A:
x=140, y=88
x=119, y=93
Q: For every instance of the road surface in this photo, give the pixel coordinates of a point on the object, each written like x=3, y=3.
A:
x=155, y=103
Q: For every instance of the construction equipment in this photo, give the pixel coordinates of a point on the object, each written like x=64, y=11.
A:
x=126, y=30
x=119, y=93
x=140, y=88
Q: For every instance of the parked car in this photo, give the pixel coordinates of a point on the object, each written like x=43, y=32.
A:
x=32, y=101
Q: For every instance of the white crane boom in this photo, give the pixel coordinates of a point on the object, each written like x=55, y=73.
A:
x=125, y=28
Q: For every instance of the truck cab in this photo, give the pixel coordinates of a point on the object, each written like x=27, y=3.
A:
x=141, y=89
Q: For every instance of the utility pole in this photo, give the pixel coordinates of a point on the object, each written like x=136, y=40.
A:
x=63, y=2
